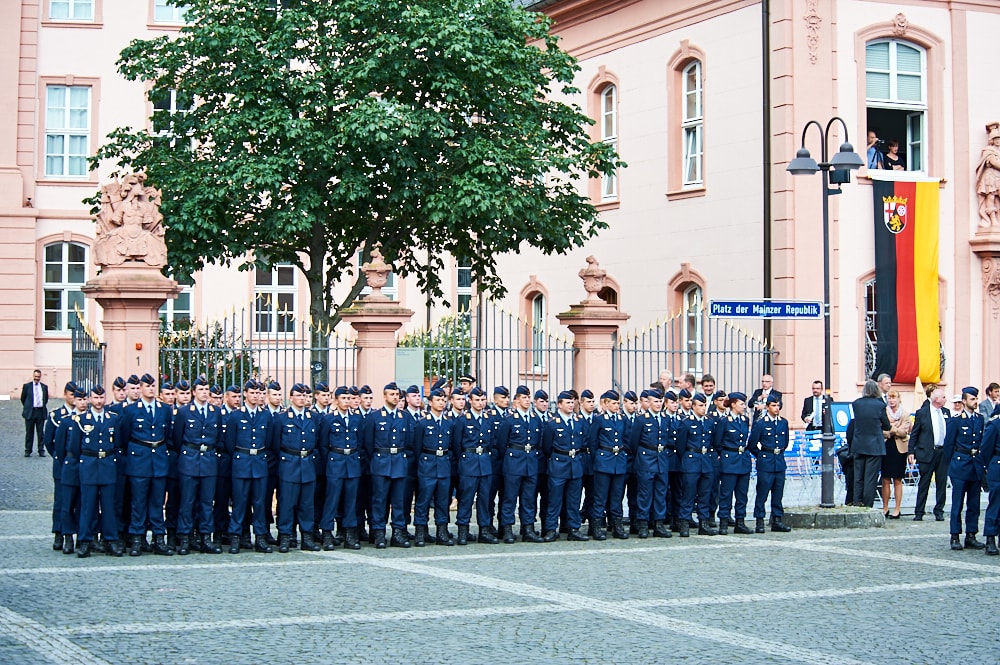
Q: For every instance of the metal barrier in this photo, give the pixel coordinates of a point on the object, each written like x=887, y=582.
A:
x=87, y=354
x=498, y=347
x=691, y=343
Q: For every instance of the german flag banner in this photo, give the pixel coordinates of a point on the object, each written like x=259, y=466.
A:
x=906, y=277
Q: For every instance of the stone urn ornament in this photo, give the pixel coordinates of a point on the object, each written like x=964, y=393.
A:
x=377, y=275
x=593, y=281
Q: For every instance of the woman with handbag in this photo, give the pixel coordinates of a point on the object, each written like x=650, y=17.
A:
x=894, y=462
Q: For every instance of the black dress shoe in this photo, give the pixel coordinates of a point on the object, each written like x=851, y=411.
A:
x=68, y=544
x=956, y=543
x=508, y=534
x=707, y=530
x=918, y=518
x=234, y=545
x=208, y=546
x=398, y=539
x=529, y=535
x=84, y=551
x=443, y=537
x=27, y=454
x=135, y=546
x=972, y=543
x=378, y=536
x=41, y=453
x=894, y=517
x=57, y=542
x=261, y=545
x=463, y=534
x=284, y=543
x=486, y=536
x=991, y=546
x=938, y=518
x=309, y=543
x=116, y=548
x=550, y=536
x=269, y=539
x=575, y=536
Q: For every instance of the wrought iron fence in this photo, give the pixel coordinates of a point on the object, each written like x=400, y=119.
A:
x=231, y=350
x=691, y=342
x=498, y=347
x=87, y=354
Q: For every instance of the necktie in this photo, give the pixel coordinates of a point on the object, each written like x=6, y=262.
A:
x=100, y=418
x=149, y=408
x=302, y=418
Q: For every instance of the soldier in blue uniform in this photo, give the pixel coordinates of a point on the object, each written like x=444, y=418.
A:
x=145, y=430
x=432, y=446
x=181, y=396
x=197, y=428
x=694, y=445
x=117, y=395
x=384, y=436
x=48, y=441
x=247, y=431
x=69, y=470
x=990, y=455
x=413, y=409
x=340, y=448
x=518, y=443
x=500, y=409
x=563, y=443
x=768, y=441
x=540, y=404
x=93, y=444
x=675, y=478
x=224, y=467
x=321, y=406
x=609, y=452
x=294, y=436
x=732, y=436
x=962, y=443
x=630, y=405
x=650, y=447
x=123, y=492
x=473, y=446
x=361, y=403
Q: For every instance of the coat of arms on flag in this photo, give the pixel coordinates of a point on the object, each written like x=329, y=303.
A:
x=895, y=213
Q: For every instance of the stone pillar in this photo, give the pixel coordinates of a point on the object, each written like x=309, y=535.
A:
x=376, y=319
x=593, y=323
x=131, y=295
x=986, y=245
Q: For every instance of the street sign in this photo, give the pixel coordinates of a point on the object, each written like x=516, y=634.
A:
x=765, y=309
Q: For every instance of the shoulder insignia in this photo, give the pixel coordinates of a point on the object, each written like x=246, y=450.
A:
x=428, y=417
x=517, y=415
x=647, y=415
x=308, y=415
x=468, y=416
x=290, y=416
x=965, y=414
x=384, y=412
x=76, y=418
x=191, y=408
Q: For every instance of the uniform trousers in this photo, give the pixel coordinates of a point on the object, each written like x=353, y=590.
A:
x=991, y=524
x=56, y=505
x=148, y=495
x=438, y=489
x=341, y=499
x=69, y=519
x=651, y=495
x=609, y=490
x=478, y=488
x=733, y=484
x=697, y=486
x=173, y=503
x=518, y=488
x=248, y=494
x=223, y=494
x=769, y=483
x=94, y=499
x=388, y=492
x=196, y=504
x=966, y=492
x=564, y=491
x=296, y=501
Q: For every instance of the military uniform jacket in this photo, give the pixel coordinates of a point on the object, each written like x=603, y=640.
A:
x=694, y=443
x=139, y=432
x=472, y=443
x=519, y=443
x=768, y=441
x=962, y=440
x=651, y=444
x=69, y=464
x=339, y=444
x=49, y=438
x=563, y=445
x=384, y=436
x=589, y=424
x=196, y=439
x=223, y=460
x=93, y=444
x=294, y=441
x=991, y=452
x=732, y=435
x=246, y=442
x=609, y=448
x=432, y=444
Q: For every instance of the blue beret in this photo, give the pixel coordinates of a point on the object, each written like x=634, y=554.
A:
x=631, y=396
x=541, y=394
x=69, y=387
x=436, y=392
x=477, y=391
x=299, y=388
x=566, y=394
x=200, y=381
x=97, y=390
x=232, y=388
x=215, y=389
x=655, y=393
x=119, y=382
x=522, y=390
x=684, y=393
x=390, y=386
x=250, y=385
x=412, y=390
x=772, y=398
x=611, y=394
x=717, y=394
x=183, y=385
x=468, y=378
x=502, y=390
x=700, y=397
x=274, y=385
x=970, y=390
x=587, y=394
x=322, y=387
x=166, y=385
x=733, y=397
x=440, y=382
x=146, y=378
x=670, y=395
x=365, y=389
x=341, y=390
x=133, y=379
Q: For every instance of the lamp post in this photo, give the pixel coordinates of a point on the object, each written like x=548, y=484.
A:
x=836, y=171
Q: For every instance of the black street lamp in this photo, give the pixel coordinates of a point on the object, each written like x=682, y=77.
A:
x=836, y=171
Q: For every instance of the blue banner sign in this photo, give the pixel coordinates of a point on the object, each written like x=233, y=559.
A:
x=766, y=309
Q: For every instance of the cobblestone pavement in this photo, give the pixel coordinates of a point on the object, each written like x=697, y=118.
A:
x=890, y=595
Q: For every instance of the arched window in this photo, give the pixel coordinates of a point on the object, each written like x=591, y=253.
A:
x=609, y=135
x=692, y=123
x=538, y=314
x=694, y=339
x=65, y=273
x=871, y=327
x=896, y=96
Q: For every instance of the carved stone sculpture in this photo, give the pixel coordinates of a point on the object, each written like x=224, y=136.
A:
x=376, y=274
x=593, y=280
x=988, y=178
x=991, y=282
x=129, y=224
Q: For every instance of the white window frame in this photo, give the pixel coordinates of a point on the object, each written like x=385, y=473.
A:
x=71, y=8
x=68, y=290
x=169, y=14
x=59, y=126
x=538, y=317
x=169, y=311
x=692, y=126
x=463, y=293
x=694, y=334
x=609, y=135
x=171, y=110
x=280, y=318
x=916, y=118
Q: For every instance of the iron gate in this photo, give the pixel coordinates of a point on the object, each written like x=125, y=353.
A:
x=87, y=366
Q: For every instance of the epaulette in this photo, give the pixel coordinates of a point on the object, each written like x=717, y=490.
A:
x=76, y=418
x=192, y=407
x=428, y=417
x=290, y=414
x=308, y=416
x=211, y=409
x=468, y=416
x=965, y=414
x=384, y=412
x=647, y=415
x=730, y=418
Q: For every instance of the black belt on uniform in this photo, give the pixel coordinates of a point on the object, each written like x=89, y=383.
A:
x=612, y=449
x=527, y=447
x=973, y=451
x=573, y=452
x=200, y=447
x=343, y=451
x=149, y=444
x=778, y=451
x=297, y=451
x=440, y=452
x=99, y=454
x=391, y=451
x=479, y=450
x=731, y=449
x=701, y=450
x=658, y=448
x=250, y=451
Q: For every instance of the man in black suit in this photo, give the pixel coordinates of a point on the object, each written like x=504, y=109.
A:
x=812, y=408
x=926, y=447
x=34, y=397
x=758, y=401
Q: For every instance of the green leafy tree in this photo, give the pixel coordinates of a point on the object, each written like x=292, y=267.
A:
x=318, y=128
x=447, y=347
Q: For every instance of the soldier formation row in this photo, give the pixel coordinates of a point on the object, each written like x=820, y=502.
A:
x=199, y=468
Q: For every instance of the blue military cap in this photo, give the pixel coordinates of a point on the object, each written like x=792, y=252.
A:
x=341, y=390
x=670, y=395
x=477, y=391
x=69, y=387
x=215, y=389
x=631, y=396
x=79, y=392
x=587, y=394
x=700, y=397
x=655, y=393
x=566, y=394
x=970, y=390
x=610, y=394
x=717, y=394
x=250, y=385
x=773, y=398
x=232, y=388
x=436, y=392
x=166, y=385
x=119, y=382
x=97, y=390
x=522, y=390
x=541, y=394
x=365, y=389
x=502, y=390
x=322, y=387
x=274, y=385
x=733, y=397
x=644, y=394
x=133, y=379
x=183, y=385
x=299, y=388
x=146, y=378
x=390, y=386
x=353, y=390
x=684, y=394
x=412, y=390
x=439, y=383
x=200, y=381
x=467, y=377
